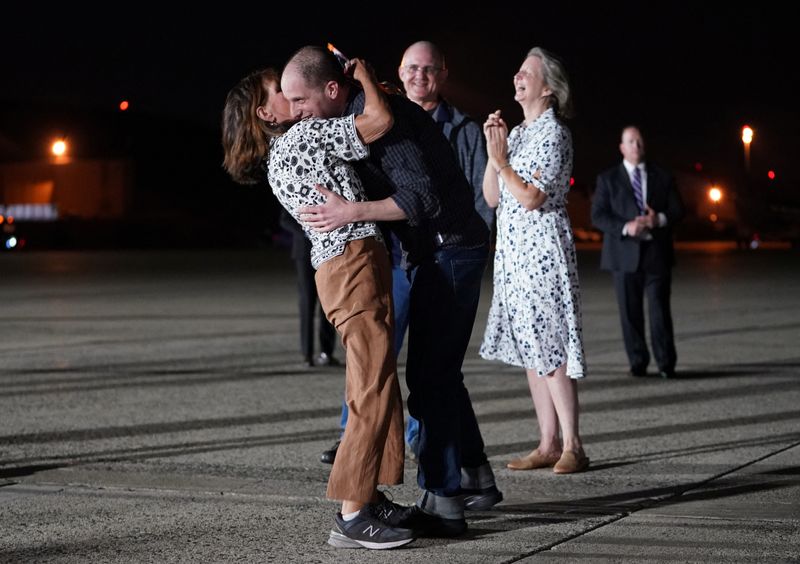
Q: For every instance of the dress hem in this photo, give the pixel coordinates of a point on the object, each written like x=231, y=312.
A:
x=574, y=376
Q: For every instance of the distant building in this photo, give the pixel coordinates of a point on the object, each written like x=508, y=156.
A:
x=84, y=189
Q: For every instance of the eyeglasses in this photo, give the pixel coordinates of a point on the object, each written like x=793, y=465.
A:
x=428, y=69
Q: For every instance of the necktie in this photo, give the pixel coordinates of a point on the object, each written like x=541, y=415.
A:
x=637, y=188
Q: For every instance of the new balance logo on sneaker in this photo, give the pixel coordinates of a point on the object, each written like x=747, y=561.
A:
x=366, y=530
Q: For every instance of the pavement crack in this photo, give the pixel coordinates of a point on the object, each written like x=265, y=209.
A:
x=678, y=491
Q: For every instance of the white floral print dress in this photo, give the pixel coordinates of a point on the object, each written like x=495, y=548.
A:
x=535, y=316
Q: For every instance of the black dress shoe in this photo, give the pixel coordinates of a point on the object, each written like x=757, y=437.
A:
x=637, y=372
x=328, y=456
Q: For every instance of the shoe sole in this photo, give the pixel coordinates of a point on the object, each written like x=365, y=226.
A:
x=482, y=502
x=338, y=540
x=583, y=465
x=532, y=466
x=440, y=533
x=441, y=530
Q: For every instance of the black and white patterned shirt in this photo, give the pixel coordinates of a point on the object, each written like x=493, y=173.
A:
x=319, y=151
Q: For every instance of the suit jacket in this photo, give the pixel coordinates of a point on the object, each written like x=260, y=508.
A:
x=614, y=205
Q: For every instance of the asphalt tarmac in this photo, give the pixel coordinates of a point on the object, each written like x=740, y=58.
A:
x=153, y=409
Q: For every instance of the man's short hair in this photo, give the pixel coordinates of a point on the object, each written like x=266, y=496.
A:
x=317, y=65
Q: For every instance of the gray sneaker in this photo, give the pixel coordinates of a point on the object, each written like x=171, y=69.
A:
x=367, y=531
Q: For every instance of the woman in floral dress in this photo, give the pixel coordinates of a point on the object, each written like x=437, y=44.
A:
x=535, y=318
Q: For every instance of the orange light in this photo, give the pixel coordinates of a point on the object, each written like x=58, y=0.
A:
x=714, y=194
x=2, y=218
x=713, y=217
x=124, y=105
x=771, y=175
x=59, y=148
x=747, y=134
x=10, y=219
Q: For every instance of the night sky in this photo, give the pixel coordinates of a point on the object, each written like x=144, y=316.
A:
x=690, y=75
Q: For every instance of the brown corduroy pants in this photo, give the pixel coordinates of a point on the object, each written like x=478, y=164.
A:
x=355, y=290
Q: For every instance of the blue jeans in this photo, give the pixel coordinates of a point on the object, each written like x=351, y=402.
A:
x=401, y=293
x=444, y=301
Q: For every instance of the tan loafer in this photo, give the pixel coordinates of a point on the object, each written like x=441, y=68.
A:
x=571, y=462
x=534, y=460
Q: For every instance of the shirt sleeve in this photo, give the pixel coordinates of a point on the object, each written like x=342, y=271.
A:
x=549, y=158
x=401, y=157
x=339, y=136
x=404, y=164
x=474, y=163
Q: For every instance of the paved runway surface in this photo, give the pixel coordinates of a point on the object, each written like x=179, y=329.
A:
x=152, y=409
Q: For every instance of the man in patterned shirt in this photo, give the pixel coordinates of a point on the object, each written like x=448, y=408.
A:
x=415, y=186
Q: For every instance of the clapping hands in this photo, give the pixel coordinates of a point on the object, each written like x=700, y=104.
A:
x=496, y=132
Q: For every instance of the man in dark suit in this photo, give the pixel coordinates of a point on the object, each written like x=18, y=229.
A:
x=635, y=205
